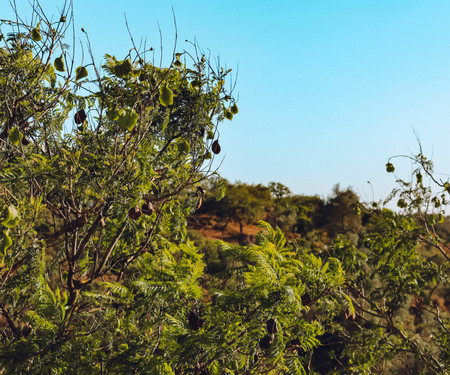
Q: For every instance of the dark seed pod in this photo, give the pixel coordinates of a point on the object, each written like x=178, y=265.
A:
x=80, y=116
x=215, y=147
x=306, y=299
x=147, y=208
x=134, y=213
x=264, y=343
x=272, y=326
x=26, y=330
x=195, y=322
x=25, y=141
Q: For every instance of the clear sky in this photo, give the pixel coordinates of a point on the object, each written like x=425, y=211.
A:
x=328, y=89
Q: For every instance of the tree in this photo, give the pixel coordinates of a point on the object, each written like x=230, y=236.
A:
x=397, y=279
x=245, y=203
x=340, y=215
x=84, y=210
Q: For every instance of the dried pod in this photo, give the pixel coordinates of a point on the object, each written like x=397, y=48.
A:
x=215, y=147
x=390, y=168
x=147, y=208
x=271, y=325
x=264, y=342
x=80, y=117
x=102, y=222
x=134, y=213
x=195, y=322
x=306, y=299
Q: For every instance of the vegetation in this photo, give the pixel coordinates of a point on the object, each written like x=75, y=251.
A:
x=97, y=271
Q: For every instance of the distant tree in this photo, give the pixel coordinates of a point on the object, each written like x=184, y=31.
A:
x=278, y=190
x=339, y=215
x=245, y=203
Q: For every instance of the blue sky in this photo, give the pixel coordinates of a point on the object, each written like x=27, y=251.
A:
x=328, y=89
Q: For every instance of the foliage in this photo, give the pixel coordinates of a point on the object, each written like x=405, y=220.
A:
x=97, y=271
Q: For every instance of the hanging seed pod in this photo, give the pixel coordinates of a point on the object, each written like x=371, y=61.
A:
x=81, y=72
x=80, y=116
x=264, y=342
x=184, y=147
x=134, y=213
x=36, y=33
x=59, y=64
x=306, y=299
x=228, y=115
x=113, y=114
x=195, y=322
x=215, y=147
x=390, y=168
x=127, y=119
x=271, y=325
x=15, y=136
x=165, y=96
